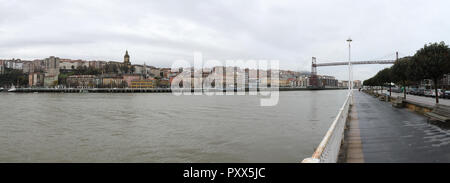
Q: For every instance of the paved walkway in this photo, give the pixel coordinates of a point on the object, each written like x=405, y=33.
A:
x=380, y=133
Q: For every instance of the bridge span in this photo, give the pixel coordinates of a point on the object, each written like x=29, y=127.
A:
x=355, y=63
x=314, y=78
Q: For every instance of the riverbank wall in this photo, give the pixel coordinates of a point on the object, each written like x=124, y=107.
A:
x=145, y=90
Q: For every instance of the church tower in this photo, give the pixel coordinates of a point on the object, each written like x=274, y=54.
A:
x=126, y=59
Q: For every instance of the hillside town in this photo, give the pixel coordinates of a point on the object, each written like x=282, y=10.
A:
x=57, y=72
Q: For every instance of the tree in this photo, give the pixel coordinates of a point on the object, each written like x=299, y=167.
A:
x=13, y=77
x=383, y=77
x=62, y=78
x=370, y=82
x=401, y=73
x=124, y=69
x=110, y=68
x=432, y=62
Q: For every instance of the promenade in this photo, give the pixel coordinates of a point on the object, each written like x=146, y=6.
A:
x=380, y=133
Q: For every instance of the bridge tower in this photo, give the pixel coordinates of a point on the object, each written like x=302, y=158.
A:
x=314, y=79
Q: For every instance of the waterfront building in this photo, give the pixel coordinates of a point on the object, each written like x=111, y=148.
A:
x=357, y=84
x=51, y=63
x=328, y=81
x=148, y=70
x=204, y=74
x=51, y=68
x=303, y=81
x=229, y=78
x=343, y=84
x=120, y=76
x=170, y=81
x=36, y=79
x=164, y=83
x=284, y=82
x=154, y=72
x=288, y=74
x=27, y=67
x=50, y=80
x=144, y=83
x=68, y=65
x=97, y=64
x=165, y=72
x=37, y=66
x=253, y=82
x=323, y=81
x=14, y=64
x=139, y=69
x=82, y=81
x=445, y=82
x=292, y=82
x=130, y=77
x=426, y=84
x=113, y=82
x=196, y=82
x=246, y=77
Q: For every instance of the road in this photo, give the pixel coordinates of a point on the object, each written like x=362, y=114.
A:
x=422, y=99
x=381, y=133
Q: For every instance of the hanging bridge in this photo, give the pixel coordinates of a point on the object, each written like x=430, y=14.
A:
x=314, y=78
x=355, y=63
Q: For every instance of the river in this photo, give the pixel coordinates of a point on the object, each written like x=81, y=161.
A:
x=161, y=127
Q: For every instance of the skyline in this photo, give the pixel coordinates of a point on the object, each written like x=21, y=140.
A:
x=158, y=33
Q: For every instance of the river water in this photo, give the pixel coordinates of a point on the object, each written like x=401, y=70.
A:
x=161, y=127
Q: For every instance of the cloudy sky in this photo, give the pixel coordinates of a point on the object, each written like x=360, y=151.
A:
x=160, y=32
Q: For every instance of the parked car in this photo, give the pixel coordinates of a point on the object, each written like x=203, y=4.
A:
x=396, y=90
x=433, y=93
x=440, y=93
x=427, y=93
x=447, y=94
x=420, y=92
x=412, y=91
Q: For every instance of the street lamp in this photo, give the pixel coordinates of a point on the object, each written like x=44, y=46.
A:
x=350, y=82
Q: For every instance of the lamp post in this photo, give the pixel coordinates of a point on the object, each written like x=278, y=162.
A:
x=350, y=82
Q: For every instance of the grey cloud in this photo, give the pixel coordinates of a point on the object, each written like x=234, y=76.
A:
x=157, y=32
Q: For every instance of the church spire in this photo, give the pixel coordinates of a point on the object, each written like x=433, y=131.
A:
x=126, y=58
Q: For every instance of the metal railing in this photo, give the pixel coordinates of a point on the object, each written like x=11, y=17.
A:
x=328, y=149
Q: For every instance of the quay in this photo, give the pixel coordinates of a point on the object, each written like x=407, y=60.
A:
x=377, y=132
x=144, y=90
x=91, y=90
